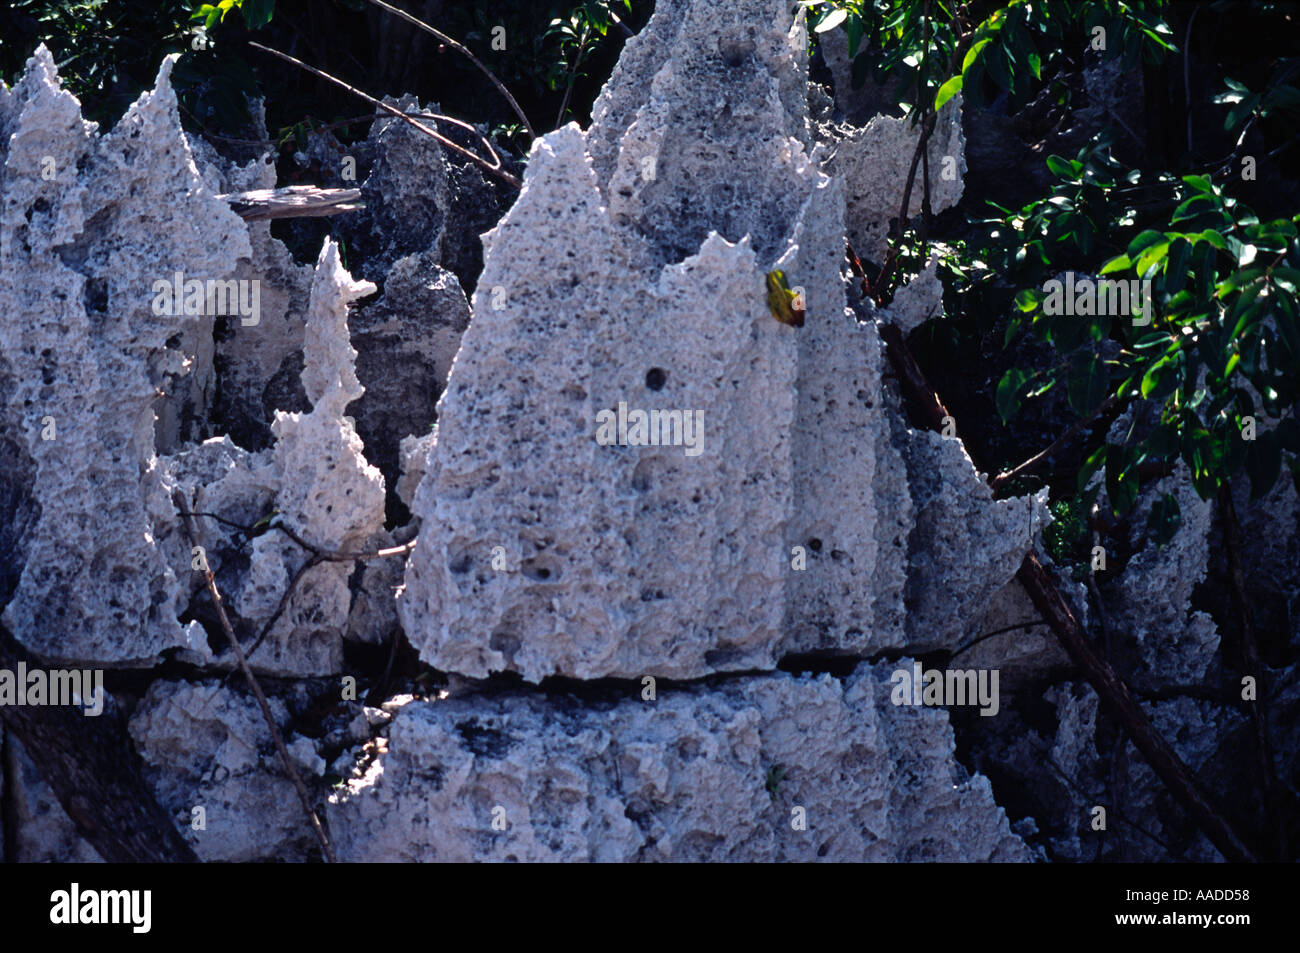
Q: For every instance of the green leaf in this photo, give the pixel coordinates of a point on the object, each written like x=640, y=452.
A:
x=1121, y=479
x=1193, y=207
x=1159, y=381
x=947, y=91
x=257, y=13
x=1000, y=68
x=1028, y=299
x=1288, y=279
x=1180, y=253
x=1064, y=168
x=1263, y=463
x=973, y=54
x=1119, y=263
x=1009, y=391
x=1145, y=240
x=1150, y=258
x=831, y=20
x=1214, y=238
x=1094, y=462
x=1089, y=383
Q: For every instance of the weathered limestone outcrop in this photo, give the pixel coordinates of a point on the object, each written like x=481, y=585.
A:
x=630, y=272
x=791, y=517
x=315, y=480
x=88, y=224
x=722, y=773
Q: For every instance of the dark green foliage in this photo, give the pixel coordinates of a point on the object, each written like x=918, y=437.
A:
x=1219, y=357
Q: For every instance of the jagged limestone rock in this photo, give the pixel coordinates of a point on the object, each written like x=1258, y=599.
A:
x=630, y=270
x=712, y=773
x=41, y=831
x=918, y=300
x=406, y=340
x=315, y=479
x=254, y=371
x=89, y=224
x=206, y=746
x=964, y=546
x=876, y=159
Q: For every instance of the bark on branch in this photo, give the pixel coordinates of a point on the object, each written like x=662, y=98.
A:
x=95, y=772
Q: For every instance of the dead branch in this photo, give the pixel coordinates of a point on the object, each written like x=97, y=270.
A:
x=464, y=51
x=498, y=170
x=192, y=529
x=295, y=201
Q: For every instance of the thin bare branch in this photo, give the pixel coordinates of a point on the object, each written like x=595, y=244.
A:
x=464, y=51
x=496, y=170
x=1006, y=476
x=192, y=529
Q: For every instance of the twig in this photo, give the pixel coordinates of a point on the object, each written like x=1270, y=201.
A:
x=192, y=529
x=573, y=74
x=283, y=604
x=1002, y=479
x=1002, y=631
x=317, y=557
x=464, y=51
x=496, y=170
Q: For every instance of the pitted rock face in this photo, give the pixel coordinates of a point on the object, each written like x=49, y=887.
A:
x=628, y=278
x=768, y=768
x=89, y=224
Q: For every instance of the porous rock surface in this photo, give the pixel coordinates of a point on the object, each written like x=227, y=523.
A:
x=700, y=774
x=84, y=353
x=630, y=270
x=207, y=747
x=813, y=522
x=315, y=481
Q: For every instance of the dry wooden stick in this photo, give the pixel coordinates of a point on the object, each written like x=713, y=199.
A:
x=294, y=201
x=1115, y=693
x=1112, y=690
x=496, y=170
x=464, y=51
x=192, y=529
